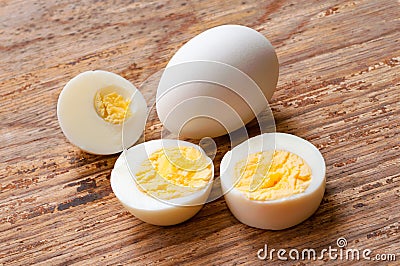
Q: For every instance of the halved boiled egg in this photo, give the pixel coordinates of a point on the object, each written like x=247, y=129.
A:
x=273, y=181
x=163, y=182
x=94, y=106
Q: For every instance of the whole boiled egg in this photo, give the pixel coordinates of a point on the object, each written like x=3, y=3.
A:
x=217, y=82
x=94, y=106
x=273, y=181
x=163, y=182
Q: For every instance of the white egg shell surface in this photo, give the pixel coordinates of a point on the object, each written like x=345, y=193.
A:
x=234, y=64
x=146, y=207
x=280, y=213
x=82, y=125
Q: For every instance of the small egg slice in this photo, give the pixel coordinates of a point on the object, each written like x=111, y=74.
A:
x=94, y=106
x=273, y=181
x=163, y=182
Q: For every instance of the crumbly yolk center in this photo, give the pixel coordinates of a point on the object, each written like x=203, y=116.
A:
x=111, y=106
x=276, y=174
x=174, y=172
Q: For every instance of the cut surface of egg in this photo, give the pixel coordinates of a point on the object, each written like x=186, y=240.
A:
x=217, y=82
x=273, y=181
x=94, y=106
x=279, y=174
x=163, y=182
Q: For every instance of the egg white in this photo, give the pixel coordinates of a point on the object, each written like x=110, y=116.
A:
x=280, y=213
x=82, y=125
x=147, y=207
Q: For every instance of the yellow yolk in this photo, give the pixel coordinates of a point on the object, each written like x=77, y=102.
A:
x=174, y=172
x=111, y=106
x=272, y=175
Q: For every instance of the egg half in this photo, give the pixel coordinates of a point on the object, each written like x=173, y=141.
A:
x=288, y=187
x=163, y=182
x=95, y=106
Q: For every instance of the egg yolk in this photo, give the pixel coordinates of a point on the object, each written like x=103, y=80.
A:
x=111, y=106
x=272, y=175
x=174, y=172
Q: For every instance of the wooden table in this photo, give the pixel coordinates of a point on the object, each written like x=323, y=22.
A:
x=339, y=88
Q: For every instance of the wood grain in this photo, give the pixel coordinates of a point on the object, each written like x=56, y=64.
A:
x=339, y=88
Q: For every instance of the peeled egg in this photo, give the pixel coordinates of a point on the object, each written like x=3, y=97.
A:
x=217, y=82
x=273, y=203
x=161, y=186
x=94, y=106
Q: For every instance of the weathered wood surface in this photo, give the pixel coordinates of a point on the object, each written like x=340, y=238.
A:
x=339, y=88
